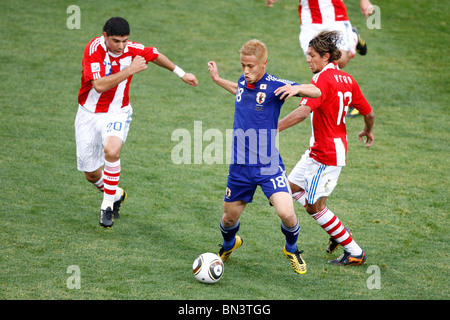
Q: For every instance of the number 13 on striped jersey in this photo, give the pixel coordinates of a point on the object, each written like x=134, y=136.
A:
x=344, y=101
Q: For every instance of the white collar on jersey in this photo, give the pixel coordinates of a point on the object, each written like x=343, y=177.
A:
x=331, y=65
x=117, y=55
x=103, y=43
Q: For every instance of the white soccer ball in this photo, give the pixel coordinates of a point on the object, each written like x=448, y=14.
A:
x=208, y=268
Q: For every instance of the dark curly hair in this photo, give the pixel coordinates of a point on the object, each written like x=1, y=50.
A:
x=326, y=41
x=116, y=26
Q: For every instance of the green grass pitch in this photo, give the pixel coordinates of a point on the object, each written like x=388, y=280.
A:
x=394, y=196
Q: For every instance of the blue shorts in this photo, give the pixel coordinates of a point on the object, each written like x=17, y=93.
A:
x=243, y=180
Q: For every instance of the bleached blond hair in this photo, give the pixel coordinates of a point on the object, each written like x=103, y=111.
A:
x=256, y=48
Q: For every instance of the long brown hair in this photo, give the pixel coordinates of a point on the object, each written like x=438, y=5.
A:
x=326, y=41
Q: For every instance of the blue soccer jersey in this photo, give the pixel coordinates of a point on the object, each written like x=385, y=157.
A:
x=256, y=121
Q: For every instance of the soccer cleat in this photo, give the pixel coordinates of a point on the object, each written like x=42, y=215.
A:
x=351, y=113
x=333, y=244
x=348, y=260
x=118, y=203
x=298, y=264
x=361, y=46
x=225, y=255
x=106, y=218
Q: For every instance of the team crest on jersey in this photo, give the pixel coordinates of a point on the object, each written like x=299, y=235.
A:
x=260, y=97
x=95, y=67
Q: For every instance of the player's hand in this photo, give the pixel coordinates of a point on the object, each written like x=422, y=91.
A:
x=224, y=83
x=213, y=70
x=138, y=64
x=287, y=91
x=369, y=138
x=270, y=3
x=190, y=79
x=366, y=8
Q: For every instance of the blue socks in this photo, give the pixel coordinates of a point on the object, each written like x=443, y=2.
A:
x=229, y=235
x=291, y=235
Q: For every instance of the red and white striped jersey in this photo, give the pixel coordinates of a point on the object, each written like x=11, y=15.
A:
x=321, y=11
x=329, y=133
x=98, y=62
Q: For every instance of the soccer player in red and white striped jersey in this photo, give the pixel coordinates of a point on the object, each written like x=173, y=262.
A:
x=104, y=112
x=316, y=174
x=98, y=63
x=319, y=15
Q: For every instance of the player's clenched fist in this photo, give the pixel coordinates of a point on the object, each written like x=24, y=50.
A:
x=190, y=79
x=138, y=64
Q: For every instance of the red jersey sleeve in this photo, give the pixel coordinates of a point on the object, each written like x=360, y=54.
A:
x=359, y=102
x=316, y=102
x=93, y=67
x=148, y=53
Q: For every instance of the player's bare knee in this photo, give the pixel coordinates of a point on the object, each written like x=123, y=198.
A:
x=91, y=176
x=314, y=208
x=229, y=220
x=310, y=209
x=112, y=148
x=289, y=219
x=295, y=188
x=112, y=154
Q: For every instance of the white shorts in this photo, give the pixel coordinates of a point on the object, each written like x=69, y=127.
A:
x=91, y=129
x=348, y=37
x=318, y=180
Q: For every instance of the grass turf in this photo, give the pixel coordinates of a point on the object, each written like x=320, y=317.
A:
x=394, y=196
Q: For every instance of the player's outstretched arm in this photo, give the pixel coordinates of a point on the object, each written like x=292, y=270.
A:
x=226, y=84
x=165, y=62
x=296, y=116
x=302, y=90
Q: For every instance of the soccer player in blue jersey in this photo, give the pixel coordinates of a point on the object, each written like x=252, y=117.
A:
x=255, y=159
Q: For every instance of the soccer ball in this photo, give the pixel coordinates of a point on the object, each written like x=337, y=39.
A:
x=208, y=268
